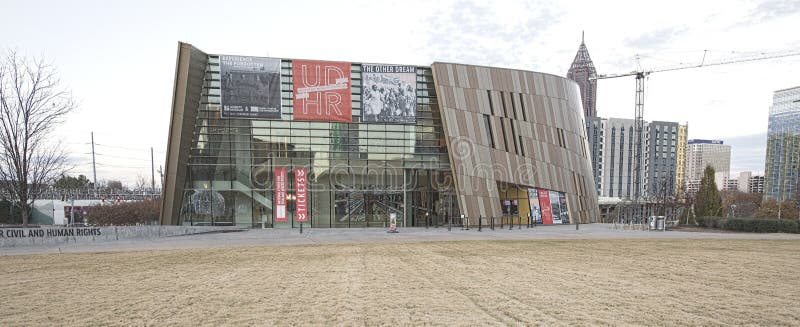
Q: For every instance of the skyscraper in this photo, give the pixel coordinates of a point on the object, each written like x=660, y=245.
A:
x=612, y=145
x=783, y=145
x=702, y=153
x=680, y=169
x=582, y=72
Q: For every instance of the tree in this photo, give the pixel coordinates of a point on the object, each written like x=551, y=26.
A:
x=707, y=201
x=32, y=104
x=125, y=213
x=746, y=204
x=769, y=210
x=69, y=182
x=115, y=185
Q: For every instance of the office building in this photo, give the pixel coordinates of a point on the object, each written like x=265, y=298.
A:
x=702, y=153
x=612, y=145
x=783, y=145
x=582, y=71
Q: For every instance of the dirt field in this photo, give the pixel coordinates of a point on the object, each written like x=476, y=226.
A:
x=586, y=282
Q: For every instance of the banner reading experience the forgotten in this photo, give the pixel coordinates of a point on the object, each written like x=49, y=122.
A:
x=389, y=94
x=250, y=87
x=321, y=90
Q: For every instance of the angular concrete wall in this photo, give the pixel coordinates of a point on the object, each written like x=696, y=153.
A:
x=517, y=127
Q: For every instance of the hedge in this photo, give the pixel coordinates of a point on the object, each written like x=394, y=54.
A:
x=750, y=224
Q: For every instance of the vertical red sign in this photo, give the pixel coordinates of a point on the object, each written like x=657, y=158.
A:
x=280, y=195
x=301, y=202
x=547, y=210
x=322, y=90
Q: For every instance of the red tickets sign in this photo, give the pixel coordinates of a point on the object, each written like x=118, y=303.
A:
x=301, y=203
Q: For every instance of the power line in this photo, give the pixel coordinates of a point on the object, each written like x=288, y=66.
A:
x=128, y=148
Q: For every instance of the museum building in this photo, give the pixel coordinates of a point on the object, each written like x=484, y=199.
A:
x=262, y=142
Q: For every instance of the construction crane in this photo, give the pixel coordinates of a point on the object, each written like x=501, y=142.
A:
x=639, y=107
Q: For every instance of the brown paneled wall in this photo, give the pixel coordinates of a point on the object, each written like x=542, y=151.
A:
x=544, y=146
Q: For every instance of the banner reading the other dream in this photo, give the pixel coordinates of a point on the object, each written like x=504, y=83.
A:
x=389, y=94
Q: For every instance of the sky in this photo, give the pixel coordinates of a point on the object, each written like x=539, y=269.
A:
x=118, y=57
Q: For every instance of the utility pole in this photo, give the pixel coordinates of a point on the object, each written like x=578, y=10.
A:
x=94, y=167
x=152, y=172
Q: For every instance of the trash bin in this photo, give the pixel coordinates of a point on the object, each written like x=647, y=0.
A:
x=656, y=222
x=660, y=222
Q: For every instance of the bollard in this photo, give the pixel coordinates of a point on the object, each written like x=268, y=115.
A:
x=426, y=220
x=502, y=218
x=492, y=223
x=466, y=224
x=301, y=227
x=519, y=225
x=479, y=223
x=449, y=223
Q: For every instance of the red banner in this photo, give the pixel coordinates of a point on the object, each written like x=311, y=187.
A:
x=280, y=195
x=301, y=203
x=547, y=210
x=321, y=90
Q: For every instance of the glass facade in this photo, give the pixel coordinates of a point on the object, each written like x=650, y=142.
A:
x=783, y=146
x=358, y=173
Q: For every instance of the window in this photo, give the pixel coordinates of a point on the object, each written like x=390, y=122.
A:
x=522, y=108
x=513, y=107
x=488, y=125
x=503, y=136
x=503, y=103
x=514, y=137
x=491, y=105
x=521, y=146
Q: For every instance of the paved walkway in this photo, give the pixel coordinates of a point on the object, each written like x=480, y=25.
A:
x=289, y=237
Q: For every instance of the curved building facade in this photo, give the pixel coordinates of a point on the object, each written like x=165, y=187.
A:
x=273, y=142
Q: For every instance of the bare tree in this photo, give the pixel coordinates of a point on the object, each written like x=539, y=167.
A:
x=32, y=104
x=141, y=182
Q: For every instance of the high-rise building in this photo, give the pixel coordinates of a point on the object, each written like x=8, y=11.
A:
x=612, y=143
x=783, y=145
x=756, y=184
x=743, y=181
x=731, y=184
x=749, y=183
x=702, y=153
x=661, y=147
x=680, y=169
x=582, y=72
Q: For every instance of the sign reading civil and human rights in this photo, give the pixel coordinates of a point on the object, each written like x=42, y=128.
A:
x=280, y=195
x=250, y=87
x=322, y=91
x=389, y=93
x=301, y=203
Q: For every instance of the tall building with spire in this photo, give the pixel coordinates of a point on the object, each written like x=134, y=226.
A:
x=582, y=71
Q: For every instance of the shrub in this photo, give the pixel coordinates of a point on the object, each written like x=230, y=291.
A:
x=126, y=213
x=750, y=225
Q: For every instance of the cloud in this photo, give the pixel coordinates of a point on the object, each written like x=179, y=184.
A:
x=770, y=10
x=748, y=152
x=486, y=33
x=656, y=39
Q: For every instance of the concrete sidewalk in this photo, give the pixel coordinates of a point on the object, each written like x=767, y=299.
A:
x=310, y=236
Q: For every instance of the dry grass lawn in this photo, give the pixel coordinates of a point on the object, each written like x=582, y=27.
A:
x=584, y=282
